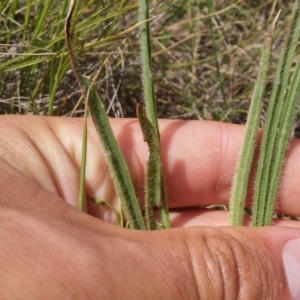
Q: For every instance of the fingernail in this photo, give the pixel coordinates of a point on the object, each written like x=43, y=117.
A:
x=291, y=261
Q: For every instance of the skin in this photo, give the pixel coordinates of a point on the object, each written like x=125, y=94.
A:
x=50, y=250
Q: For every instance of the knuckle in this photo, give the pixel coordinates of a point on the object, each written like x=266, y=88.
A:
x=228, y=267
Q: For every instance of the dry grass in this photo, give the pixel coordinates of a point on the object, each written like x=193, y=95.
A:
x=188, y=83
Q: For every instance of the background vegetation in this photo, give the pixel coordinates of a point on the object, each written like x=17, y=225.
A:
x=205, y=56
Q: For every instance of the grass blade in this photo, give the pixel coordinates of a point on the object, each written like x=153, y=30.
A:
x=116, y=163
x=215, y=49
x=262, y=183
x=154, y=171
x=118, y=215
x=117, y=166
x=83, y=166
x=3, y=6
x=145, y=43
x=41, y=19
x=150, y=103
x=281, y=145
x=241, y=177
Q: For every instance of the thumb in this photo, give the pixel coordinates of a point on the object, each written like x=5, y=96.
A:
x=221, y=263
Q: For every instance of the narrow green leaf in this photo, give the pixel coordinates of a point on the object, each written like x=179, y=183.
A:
x=150, y=104
x=23, y=63
x=274, y=115
x=215, y=48
x=282, y=142
x=145, y=43
x=42, y=17
x=3, y=6
x=242, y=172
x=117, y=166
x=163, y=208
x=118, y=215
x=116, y=163
x=83, y=166
x=154, y=168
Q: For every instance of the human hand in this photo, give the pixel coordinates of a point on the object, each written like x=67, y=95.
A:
x=50, y=250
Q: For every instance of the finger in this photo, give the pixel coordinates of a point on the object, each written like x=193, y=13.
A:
x=189, y=217
x=199, y=159
x=240, y=255
x=226, y=263
x=31, y=146
x=206, y=263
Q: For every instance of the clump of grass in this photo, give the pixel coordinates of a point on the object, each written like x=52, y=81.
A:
x=35, y=69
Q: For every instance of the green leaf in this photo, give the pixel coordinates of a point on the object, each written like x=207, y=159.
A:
x=117, y=166
x=154, y=168
x=242, y=172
